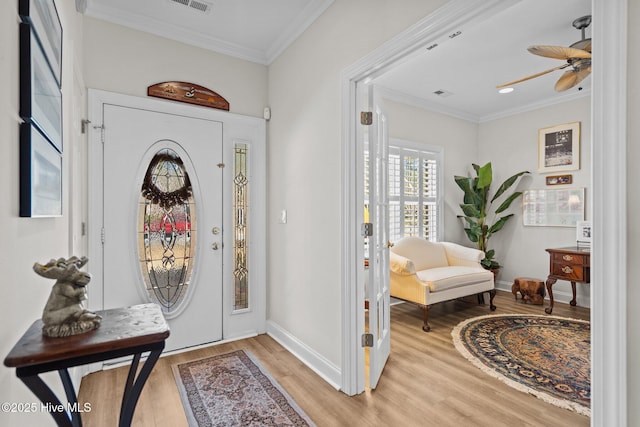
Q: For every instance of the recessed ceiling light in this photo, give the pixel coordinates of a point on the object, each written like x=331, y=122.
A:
x=506, y=90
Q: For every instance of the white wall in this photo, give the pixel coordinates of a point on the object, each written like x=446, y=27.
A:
x=633, y=207
x=305, y=166
x=458, y=139
x=24, y=240
x=511, y=144
x=122, y=60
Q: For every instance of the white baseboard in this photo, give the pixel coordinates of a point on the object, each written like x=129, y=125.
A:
x=558, y=295
x=315, y=361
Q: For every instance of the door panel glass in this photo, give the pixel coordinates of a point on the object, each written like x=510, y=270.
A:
x=166, y=231
x=241, y=224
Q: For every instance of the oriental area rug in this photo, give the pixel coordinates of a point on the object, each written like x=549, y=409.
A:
x=546, y=356
x=234, y=389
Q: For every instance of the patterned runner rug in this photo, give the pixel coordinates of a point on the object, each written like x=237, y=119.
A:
x=234, y=389
x=546, y=356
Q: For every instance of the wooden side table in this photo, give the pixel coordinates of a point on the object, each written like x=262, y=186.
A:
x=570, y=263
x=123, y=332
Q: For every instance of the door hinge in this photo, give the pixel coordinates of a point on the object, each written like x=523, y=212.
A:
x=367, y=340
x=366, y=229
x=102, y=235
x=366, y=118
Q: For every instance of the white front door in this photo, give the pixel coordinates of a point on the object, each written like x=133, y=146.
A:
x=378, y=248
x=163, y=219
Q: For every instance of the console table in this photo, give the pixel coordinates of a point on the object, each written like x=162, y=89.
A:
x=570, y=263
x=122, y=332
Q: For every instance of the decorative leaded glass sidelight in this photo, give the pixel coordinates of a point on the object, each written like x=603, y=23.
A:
x=240, y=226
x=166, y=231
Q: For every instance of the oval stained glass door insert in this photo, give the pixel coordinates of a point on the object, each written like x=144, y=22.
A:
x=166, y=231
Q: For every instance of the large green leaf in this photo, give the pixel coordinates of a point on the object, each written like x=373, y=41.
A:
x=470, y=195
x=470, y=210
x=508, y=183
x=466, y=186
x=485, y=176
x=505, y=205
x=472, y=235
x=497, y=226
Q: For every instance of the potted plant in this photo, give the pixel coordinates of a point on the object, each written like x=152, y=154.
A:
x=480, y=218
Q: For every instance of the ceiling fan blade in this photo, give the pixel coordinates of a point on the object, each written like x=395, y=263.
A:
x=533, y=76
x=582, y=45
x=571, y=78
x=559, y=52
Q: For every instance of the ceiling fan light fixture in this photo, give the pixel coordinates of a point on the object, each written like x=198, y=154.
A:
x=577, y=56
x=506, y=90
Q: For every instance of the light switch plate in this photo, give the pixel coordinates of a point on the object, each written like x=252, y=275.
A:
x=283, y=217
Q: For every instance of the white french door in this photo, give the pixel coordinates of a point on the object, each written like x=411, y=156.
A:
x=165, y=247
x=378, y=244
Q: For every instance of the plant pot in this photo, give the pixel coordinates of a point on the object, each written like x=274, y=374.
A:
x=495, y=272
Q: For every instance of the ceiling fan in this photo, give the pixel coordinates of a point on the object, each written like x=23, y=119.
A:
x=578, y=57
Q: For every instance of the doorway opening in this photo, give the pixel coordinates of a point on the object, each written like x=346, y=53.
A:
x=444, y=20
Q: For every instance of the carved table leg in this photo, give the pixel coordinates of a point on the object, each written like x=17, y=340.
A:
x=492, y=295
x=573, y=290
x=425, y=313
x=550, y=282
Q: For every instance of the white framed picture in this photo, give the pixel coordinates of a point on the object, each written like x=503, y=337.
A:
x=559, y=148
x=583, y=232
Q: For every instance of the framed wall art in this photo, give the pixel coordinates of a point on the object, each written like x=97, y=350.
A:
x=559, y=179
x=559, y=148
x=42, y=16
x=40, y=174
x=40, y=95
x=583, y=233
x=562, y=207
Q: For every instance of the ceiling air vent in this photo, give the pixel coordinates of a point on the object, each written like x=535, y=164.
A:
x=198, y=5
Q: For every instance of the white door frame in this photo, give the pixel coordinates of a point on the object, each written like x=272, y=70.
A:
x=236, y=129
x=608, y=183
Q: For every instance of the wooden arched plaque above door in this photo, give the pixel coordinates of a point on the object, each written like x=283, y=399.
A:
x=189, y=93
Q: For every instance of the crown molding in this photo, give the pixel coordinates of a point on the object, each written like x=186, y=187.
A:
x=537, y=105
x=414, y=101
x=296, y=28
x=175, y=32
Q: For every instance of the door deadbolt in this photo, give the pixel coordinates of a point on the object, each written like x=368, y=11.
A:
x=216, y=230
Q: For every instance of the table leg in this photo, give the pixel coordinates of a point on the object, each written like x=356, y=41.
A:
x=573, y=290
x=72, y=398
x=550, y=282
x=48, y=398
x=134, y=388
x=133, y=369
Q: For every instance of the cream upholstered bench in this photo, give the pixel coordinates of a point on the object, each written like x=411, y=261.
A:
x=426, y=273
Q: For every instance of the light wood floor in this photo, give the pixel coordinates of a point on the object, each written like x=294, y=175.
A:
x=426, y=381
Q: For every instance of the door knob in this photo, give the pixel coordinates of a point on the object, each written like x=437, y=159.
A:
x=214, y=246
x=390, y=245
